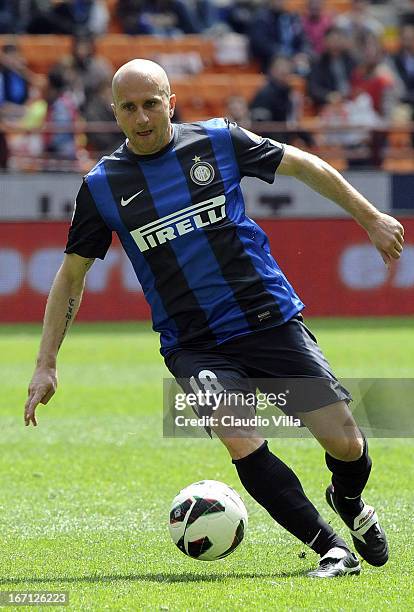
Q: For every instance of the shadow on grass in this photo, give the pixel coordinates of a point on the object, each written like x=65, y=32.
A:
x=166, y=578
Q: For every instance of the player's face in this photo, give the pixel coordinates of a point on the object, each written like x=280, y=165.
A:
x=143, y=111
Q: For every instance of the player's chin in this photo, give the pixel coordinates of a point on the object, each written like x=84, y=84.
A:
x=145, y=148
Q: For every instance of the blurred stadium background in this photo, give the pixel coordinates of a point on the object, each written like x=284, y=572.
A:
x=336, y=78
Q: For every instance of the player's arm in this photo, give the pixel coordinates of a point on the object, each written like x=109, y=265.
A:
x=385, y=232
x=61, y=308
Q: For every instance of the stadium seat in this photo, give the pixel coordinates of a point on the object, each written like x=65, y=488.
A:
x=246, y=85
x=335, y=155
x=399, y=166
x=120, y=48
x=206, y=95
x=399, y=138
x=399, y=153
x=42, y=51
x=338, y=6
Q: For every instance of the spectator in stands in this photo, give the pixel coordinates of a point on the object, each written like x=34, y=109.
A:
x=276, y=31
x=274, y=102
x=51, y=17
x=157, y=17
x=316, y=21
x=66, y=16
x=29, y=143
x=61, y=111
x=373, y=96
x=7, y=17
x=129, y=15
x=329, y=78
x=98, y=108
x=359, y=23
x=85, y=71
x=239, y=15
x=238, y=110
x=404, y=64
x=14, y=77
x=96, y=18
x=20, y=13
x=405, y=11
x=277, y=101
x=376, y=78
x=206, y=15
x=16, y=82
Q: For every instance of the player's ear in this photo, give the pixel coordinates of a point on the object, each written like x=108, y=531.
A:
x=172, y=104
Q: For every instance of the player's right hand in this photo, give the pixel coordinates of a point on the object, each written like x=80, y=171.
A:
x=42, y=387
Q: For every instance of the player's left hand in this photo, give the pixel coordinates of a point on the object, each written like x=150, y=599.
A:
x=387, y=235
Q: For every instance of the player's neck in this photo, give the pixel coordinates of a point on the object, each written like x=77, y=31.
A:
x=163, y=146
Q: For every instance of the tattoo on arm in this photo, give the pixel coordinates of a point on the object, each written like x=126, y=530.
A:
x=68, y=317
x=70, y=313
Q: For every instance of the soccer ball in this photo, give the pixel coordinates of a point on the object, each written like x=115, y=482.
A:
x=208, y=520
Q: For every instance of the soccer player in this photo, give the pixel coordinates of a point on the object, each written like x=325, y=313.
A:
x=219, y=300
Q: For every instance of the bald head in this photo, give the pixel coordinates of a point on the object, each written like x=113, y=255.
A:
x=141, y=74
x=143, y=105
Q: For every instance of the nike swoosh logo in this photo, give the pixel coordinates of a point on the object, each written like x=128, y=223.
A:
x=125, y=202
x=312, y=542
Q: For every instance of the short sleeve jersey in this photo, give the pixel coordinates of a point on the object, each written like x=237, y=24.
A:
x=204, y=266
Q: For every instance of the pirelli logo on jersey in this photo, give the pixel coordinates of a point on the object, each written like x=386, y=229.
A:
x=180, y=222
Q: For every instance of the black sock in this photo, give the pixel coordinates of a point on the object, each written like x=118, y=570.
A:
x=349, y=479
x=275, y=487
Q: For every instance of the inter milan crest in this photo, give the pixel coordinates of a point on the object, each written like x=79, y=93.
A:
x=201, y=173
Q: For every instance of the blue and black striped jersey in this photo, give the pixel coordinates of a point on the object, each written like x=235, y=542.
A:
x=204, y=266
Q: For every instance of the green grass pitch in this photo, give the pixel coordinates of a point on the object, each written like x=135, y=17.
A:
x=84, y=498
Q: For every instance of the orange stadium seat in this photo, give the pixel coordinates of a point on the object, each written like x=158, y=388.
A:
x=335, y=155
x=399, y=165
x=41, y=52
x=338, y=6
x=120, y=48
x=399, y=154
x=206, y=95
x=209, y=94
x=246, y=85
x=399, y=138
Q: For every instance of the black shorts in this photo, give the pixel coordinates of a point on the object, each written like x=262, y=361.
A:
x=284, y=358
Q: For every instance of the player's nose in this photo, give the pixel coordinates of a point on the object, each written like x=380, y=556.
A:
x=141, y=117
